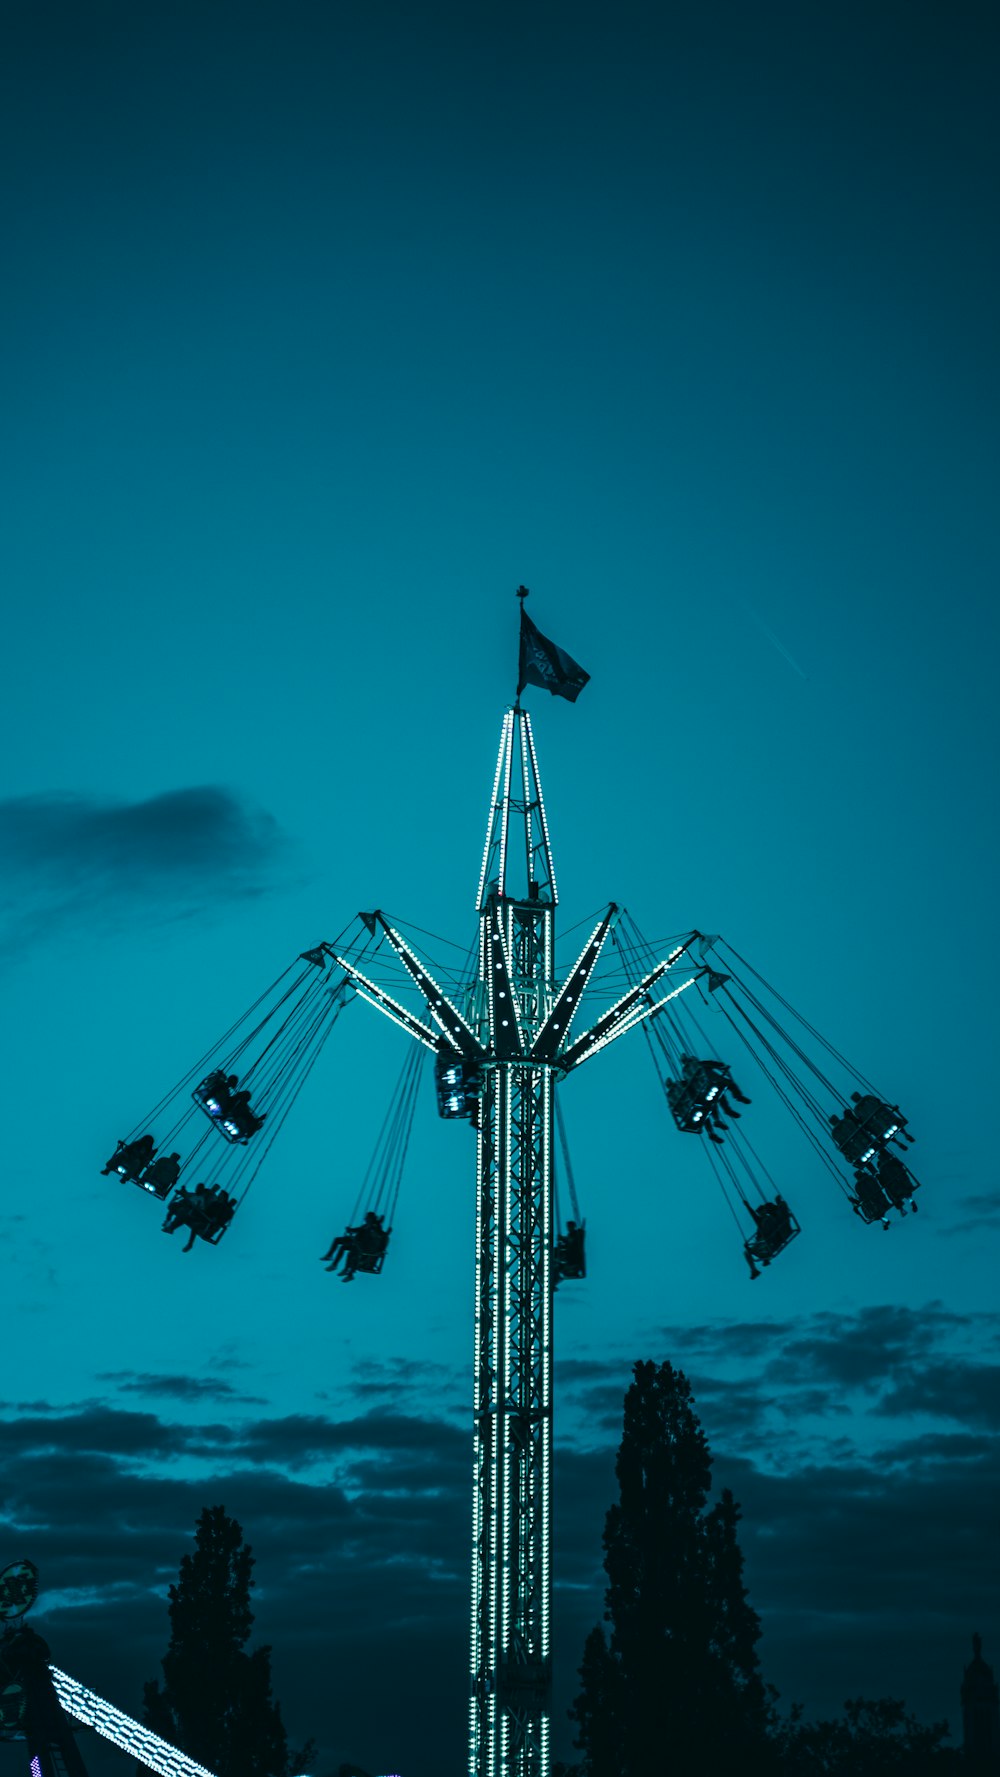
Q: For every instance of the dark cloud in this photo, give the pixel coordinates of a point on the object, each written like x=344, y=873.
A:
x=67, y=858
x=969, y=1393
x=394, y=1377
x=182, y=1388
x=978, y=1211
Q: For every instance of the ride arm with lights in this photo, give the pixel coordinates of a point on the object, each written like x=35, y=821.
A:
x=632, y=1009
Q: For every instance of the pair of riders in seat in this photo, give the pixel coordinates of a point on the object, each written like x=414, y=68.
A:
x=134, y=1162
x=207, y=1211
x=228, y=1104
x=701, y=1097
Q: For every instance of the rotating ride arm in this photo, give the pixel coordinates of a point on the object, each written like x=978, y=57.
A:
x=632, y=1009
x=556, y=1027
x=456, y=1033
x=384, y=1002
x=446, y=1016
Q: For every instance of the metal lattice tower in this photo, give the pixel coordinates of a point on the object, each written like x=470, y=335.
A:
x=512, y=1390
x=515, y=1034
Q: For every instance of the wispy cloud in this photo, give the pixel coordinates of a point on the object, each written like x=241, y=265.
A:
x=71, y=859
x=181, y=1388
x=978, y=1211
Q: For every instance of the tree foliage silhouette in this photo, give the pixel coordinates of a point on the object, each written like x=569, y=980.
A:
x=871, y=1739
x=215, y=1702
x=679, y=1686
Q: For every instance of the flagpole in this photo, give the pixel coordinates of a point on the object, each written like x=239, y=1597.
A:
x=521, y=594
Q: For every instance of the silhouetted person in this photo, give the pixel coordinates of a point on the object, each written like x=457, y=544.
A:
x=854, y=1142
x=895, y=1182
x=782, y=1214
x=717, y=1073
x=369, y=1246
x=178, y=1211
x=238, y=1111
x=568, y=1254
x=163, y=1173
x=878, y=1117
x=340, y=1247
x=869, y=1197
x=131, y=1157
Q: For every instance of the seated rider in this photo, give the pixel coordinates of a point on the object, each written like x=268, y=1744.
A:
x=761, y=1212
x=219, y=1210
x=782, y=1214
x=179, y=1210
x=339, y=1247
x=680, y=1098
x=689, y=1109
x=869, y=1200
x=218, y=1088
x=240, y=1112
x=895, y=1182
x=568, y=1254
x=194, y=1209
x=215, y=1084
x=748, y=1255
x=162, y=1174
x=131, y=1157
x=718, y=1073
x=854, y=1142
x=774, y=1230
x=369, y=1246
x=880, y=1119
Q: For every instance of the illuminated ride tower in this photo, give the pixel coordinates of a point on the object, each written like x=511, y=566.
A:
x=500, y=1059
x=503, y=1042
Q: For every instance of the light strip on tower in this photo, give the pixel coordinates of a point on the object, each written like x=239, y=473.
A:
x=541, y=809
x=493, y=811
x=503, y=966
x=508, y=729
x=546, y=1379
x=529, y=850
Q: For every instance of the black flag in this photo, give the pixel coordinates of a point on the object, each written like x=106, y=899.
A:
x=542, y=663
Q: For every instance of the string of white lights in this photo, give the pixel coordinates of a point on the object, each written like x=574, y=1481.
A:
x=143, y=1745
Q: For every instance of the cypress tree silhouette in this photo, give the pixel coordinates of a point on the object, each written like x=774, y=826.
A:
x=679, y=1687
x=215, y=1702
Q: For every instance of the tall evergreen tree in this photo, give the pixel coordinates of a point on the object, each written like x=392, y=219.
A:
x=215, y=1702
x=679, y=1686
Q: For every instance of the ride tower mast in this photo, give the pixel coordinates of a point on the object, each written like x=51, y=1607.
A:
x=507, y=1048
x=510, y=1658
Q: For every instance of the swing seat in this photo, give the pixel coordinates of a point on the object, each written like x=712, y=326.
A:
x=776, y=1228
x=458, y=1081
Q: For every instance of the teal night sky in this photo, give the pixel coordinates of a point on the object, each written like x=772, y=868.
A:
x=322, y=329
